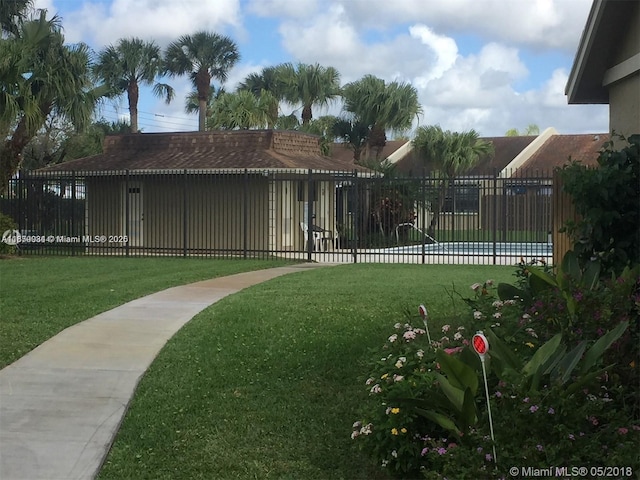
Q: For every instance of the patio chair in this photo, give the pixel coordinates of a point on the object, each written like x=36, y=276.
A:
x=317, y=237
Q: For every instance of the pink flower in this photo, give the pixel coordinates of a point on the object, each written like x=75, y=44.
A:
x=451, y=351
x=623, y=431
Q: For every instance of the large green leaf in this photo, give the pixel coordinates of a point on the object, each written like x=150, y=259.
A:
x=603, y=343
x=499, y=351
x=591, y=275
x=439, y=419
x=542, y=356
x=570, y=267
x=455, y=395
x=468, y=413
x=506, y=291
x=459, y=374
x=565, y=367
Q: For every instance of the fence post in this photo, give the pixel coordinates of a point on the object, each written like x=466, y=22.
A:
x=495, y=214
x=355, y=230
x=126, y=212
x=185, y=212
x=423, y=213
x=245, y=214
x=310, y=194
x=73, y=210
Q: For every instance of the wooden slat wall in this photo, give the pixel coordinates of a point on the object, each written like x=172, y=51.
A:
x=563, y=210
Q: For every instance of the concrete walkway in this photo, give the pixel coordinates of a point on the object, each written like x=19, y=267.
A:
x=62, y=403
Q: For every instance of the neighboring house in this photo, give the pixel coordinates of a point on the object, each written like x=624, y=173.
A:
x=224, y=190
x=606, y=69
x=524, y=166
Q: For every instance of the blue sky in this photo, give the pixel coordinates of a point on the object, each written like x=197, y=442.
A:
x=490, y=65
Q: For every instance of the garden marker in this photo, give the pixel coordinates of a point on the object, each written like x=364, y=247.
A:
x=481, y=346
x=425, y=316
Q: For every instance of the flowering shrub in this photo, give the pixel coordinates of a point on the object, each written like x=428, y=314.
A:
x=427, y=415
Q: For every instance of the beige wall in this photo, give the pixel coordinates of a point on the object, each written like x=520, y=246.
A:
x=624, y=105
x=214, y=214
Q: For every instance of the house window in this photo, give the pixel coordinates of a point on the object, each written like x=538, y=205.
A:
x=462, y=198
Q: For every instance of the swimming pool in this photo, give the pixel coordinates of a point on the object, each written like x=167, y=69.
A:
x=510, y=249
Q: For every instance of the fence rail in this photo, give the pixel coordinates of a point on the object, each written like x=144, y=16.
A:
x=322, y=216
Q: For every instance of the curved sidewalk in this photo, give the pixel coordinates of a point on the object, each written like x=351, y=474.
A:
x=62, y=403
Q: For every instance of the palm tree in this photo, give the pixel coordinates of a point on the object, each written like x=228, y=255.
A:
x=269, y=80
x=381, y=107
x=13, y=13
x=241, y=110
x=309, y=85
x=46, y=77
x=451, y=154
x=355, y=134
x=204, y=56
x=128, y=65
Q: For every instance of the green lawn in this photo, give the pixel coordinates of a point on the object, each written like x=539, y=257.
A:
x=40, y=296
x=267, y=383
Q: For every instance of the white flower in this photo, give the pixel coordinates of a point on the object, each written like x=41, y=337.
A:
x=367, y=429
x=460, y=328
x=497, y=315
x=354, y=434
x=393, y=338
x=497, y=304
x=526, y=316
x=531, y=332
x=476, y=286
x=420, y=353
x=457, y=336
x=397, y=378
x=477, y=315
x=409, y=335
x=397, y=326
x=376, y=388
x=357, y=424
x=510, y=302
x=445, y=328
x=394, y=454
x=489, y=282
x=369, y=381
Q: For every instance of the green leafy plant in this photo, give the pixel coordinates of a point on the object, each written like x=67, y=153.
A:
x=6, y=223
x=606, y=200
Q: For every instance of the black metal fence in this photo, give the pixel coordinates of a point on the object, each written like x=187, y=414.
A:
x=318, y=216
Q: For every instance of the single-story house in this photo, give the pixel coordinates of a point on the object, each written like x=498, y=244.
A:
x=222, y=190
x=606, y=69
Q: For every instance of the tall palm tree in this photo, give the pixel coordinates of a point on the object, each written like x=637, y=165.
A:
x=203, y=56
x=309, y=85
x=354, y=132
x=48, y=78
x=451, y=154
x=271, y=80
x=381, y=107
x=129, y=64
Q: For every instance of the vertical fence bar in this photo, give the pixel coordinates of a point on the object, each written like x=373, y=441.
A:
x=310, y=242
x=185, y=213
x=355, y=219
x=126, y=212
x=495, y=214
x=245, y=214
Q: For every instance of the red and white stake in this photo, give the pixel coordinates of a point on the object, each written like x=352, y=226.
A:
x=481, y=346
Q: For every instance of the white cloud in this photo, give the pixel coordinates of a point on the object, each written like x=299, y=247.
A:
x=536, y=23
x=283, y=8
x=161, y=20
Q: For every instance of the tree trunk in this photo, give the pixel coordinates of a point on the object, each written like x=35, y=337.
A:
x=11, y=153
x=202, y=115
x=203, y=87
x=442, y=195
x=306, y=114
x=133, y=95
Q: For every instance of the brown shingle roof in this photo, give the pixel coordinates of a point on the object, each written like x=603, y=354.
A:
x=556, y=151
x=252, y=149
x=505, y=150
x=343, y=153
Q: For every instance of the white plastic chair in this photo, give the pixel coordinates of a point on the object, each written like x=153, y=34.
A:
x=317, y=237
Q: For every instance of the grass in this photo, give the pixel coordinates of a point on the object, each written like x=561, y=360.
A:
x=267, y=383
x=41, y=296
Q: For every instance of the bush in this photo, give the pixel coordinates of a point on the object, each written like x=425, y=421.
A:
x=556, y=400
x=6, y=223
x=606, y=198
